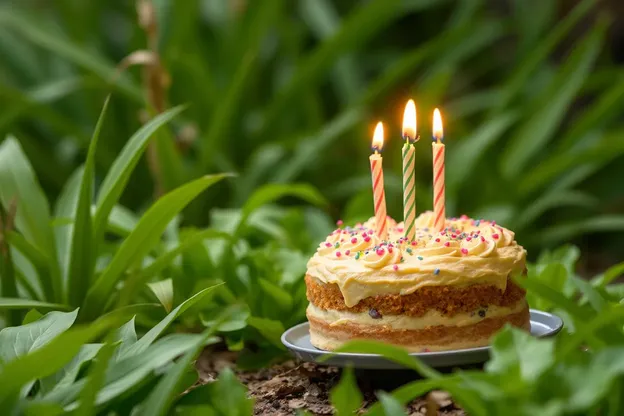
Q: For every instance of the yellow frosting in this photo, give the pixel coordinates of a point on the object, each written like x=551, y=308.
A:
x=467, y=252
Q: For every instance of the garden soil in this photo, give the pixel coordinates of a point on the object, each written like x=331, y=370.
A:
x=284, y=388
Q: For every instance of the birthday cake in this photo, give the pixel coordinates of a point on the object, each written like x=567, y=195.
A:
x=443, y=290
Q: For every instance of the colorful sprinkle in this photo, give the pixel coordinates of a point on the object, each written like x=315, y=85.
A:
x=353, y=240
x=468, y=239
x=328, y=245
x=339, y=223
x=495, y=236
x=437, y=240
x=409, y=250
x=337, y=244
x=420, y=258
x=338, y=254
x=367, y=239
x=347, y=252
x=436, y=272
x=482, y=313
x=380, y=251
x=482, y=239
x=357, y=255
x=395, y=267
x=389, y=249
x=464, y=251
x=414, y=243
x=447, y=244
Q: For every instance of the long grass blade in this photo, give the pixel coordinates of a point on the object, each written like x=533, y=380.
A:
x=82, y=256
x=535, y=133
x=115, y=181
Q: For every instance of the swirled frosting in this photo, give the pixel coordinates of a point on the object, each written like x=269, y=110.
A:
x=466, y=252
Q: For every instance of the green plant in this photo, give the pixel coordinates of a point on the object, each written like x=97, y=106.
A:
x=578, y=372
x=51, y=365
x=65, y=260
x=283, y=92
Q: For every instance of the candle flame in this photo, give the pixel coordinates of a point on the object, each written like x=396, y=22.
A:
x=378, y=137
x=409, y=121
x=438, y=131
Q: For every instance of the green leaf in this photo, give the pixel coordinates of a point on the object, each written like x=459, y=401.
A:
x=126, y=336
x=468, y=151
x=19, y=341
x=17, y=180
x=10, y=303
x=65, y=209
x=565, y=231
x=609, y=276
x=95, y=380
x=59, y=46
x=590, y=383
x=228, y=396
x=390, y=405
x=160, y=399
x=346, y=396
x=272, y=192
x=538, y=55
x=48, y=359
x=163, y=290
x=392, y=353
x=125, y=375
x=146, y=340
x=269, y=329
x=68, y=374
x=82, y=256
x=410, y=391
x=362, y=24
x=539, y=128
x=118, y=175
x=553, y=296
x=553, y=276
x=32, y=316
x=517, y=352
x=168, y=257
x=146, y=234
x=277, y=296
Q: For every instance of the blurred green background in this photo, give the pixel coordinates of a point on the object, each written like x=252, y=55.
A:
x=280, y=91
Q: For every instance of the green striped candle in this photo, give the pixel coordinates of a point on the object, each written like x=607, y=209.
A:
x=409, y=164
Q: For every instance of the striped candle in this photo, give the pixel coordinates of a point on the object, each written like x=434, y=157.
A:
x=409, y=162
x=379, y=196
x=438, y=172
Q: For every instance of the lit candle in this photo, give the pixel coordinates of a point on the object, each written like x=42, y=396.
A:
x=438, y=172
x=379, y=196
x=409, y=162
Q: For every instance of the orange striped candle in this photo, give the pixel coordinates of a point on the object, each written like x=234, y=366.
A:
x=438, y=172
x=379, y=195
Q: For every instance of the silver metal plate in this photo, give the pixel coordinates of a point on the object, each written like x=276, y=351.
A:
x=297, y=340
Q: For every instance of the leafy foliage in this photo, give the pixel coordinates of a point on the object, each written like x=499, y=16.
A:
x=281, y=93
x=578, y=372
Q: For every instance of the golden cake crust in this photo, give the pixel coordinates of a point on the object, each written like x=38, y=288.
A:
x=448, y=300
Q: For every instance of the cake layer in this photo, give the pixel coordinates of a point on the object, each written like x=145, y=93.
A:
x=430, y=319
x=325, y=336
x=447, y=300
x=466, y=252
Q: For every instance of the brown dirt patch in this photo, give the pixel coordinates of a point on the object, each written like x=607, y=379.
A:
x=290, y=386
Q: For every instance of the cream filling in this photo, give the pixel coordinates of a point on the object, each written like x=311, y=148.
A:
x=429, y=319
x=329, y=344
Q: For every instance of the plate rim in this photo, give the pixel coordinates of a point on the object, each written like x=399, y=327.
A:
x=555, y=329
